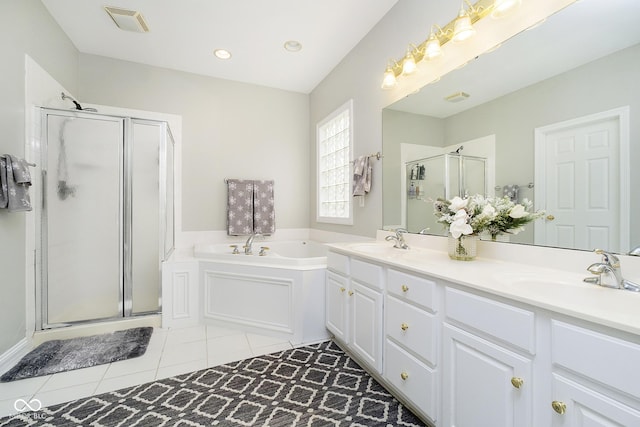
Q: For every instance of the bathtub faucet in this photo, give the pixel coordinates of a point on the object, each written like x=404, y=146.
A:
x=247, y=246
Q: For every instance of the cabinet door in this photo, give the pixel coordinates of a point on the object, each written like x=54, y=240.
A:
x=336, y=306
x=477, y=383
x=366, y=324
x=584, y=407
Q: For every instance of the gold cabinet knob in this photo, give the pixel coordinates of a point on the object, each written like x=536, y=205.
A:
x=550, y=217
x=404, y=326
x=404, y=376
x=559, y=407
x=405, y=288
x=350, y=293
x=342, y=289
x=517, y=382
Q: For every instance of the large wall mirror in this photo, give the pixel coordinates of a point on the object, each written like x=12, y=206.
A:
x=553, y=115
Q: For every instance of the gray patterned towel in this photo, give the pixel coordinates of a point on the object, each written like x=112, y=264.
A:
x=264, y=221
x=361, y=176
x=15, y=180
x=239, y=207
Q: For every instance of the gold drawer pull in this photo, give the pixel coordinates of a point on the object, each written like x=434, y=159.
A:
x=404, y=326
x=517, y=382
x=559, y=407
x=350, y=293
x=404, y=376
x=342, y=289
x=405, y=288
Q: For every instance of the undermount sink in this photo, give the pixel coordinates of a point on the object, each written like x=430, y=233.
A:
x=538, y=279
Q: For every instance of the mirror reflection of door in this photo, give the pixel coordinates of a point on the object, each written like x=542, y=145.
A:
x=582, y=183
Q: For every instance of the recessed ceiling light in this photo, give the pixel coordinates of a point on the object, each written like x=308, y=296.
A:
x=222, y=54
x=292, y=45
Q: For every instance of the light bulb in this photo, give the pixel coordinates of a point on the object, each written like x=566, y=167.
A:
x=389, y=81
x=462, y=27
x=408, y=64
x=432, y=49
x=503, y=7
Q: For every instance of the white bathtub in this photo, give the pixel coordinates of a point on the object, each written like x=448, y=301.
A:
x=291, y=253
x=276, y=294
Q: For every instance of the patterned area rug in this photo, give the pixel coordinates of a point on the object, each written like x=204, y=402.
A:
x=317, y=385
x=66, y=355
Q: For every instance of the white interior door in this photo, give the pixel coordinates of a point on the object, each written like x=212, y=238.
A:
x=579, y=184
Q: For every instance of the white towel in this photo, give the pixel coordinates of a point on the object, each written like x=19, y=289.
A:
x=361, y=176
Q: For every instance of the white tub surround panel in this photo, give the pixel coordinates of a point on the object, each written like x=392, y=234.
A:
x=508, y=343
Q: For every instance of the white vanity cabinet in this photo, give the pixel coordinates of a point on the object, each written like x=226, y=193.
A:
x=411, y=340
x=354, y=306
x=595, y=378
x=487, y=362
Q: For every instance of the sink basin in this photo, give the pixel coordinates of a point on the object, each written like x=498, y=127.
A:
x=539, y=279
x=374, y=248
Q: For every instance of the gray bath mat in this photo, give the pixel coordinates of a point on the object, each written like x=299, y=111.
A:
x=66, y=355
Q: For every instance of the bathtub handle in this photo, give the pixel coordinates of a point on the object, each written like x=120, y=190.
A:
x=343, y=289
x=263, y=250
x=350, y=293
x=235, y=249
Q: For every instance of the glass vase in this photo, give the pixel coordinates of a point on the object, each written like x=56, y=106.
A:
x=463, y=248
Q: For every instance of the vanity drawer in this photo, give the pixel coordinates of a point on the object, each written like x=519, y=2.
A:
x=415, y=329
x=605, y=359
x=411, y=288
x=366, y=273
x=512, y=325
x=338, y=263
x=416, y=381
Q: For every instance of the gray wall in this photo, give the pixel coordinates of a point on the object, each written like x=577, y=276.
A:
x=229, y=130
x=27, y=28
x=358, y=77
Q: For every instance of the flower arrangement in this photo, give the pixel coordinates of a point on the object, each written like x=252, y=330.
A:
x=475, y=214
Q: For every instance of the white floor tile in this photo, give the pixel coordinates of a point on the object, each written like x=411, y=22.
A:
x=181, y=353
x=8, y=407
x=179, y=369
x=67, y=394
x=228, y=344
x=228, y=357
x=25, y=387
x=117, y=383
x=146, y=362
x=186, y=335
x=221, y=331
x=256, y=341
x=260, y=351
x=74, y=378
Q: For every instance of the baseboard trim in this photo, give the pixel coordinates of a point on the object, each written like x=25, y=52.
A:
x=12, y=356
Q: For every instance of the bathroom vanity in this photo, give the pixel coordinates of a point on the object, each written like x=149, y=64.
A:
x=487, y=342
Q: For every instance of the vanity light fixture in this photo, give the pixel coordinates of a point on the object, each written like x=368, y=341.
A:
x=409, y=63
x=459, y=29
x=462, y=26
x=222, y=54
x=504, y=7
x=432, y=48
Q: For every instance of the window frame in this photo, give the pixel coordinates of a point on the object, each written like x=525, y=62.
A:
x=346, y=107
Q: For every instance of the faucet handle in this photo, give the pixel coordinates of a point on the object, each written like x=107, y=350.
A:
x=609, y=258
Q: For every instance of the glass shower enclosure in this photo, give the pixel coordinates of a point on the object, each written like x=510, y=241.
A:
x=443, y=176
x=105, y=214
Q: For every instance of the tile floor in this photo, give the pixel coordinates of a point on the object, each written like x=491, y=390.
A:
x=171, y=352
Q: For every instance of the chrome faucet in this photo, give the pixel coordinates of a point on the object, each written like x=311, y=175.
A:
x=247, y=246
x=609, y=267
x=398, y=238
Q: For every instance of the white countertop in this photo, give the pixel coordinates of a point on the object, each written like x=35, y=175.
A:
x=558, y=290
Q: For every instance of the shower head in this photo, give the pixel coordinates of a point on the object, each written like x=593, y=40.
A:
x=458, y=150
x=77, y=104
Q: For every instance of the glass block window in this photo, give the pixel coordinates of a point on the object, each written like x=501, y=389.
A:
x=334, y=140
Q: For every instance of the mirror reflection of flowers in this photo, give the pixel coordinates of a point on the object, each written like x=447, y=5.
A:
x=475, y=214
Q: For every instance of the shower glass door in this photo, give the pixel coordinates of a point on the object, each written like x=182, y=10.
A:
x=81, y=218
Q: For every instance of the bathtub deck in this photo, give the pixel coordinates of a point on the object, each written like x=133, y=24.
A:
x=171, y=352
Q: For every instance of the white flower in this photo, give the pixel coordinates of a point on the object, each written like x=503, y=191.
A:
x=457, y=203
x=518, y=211
x=488, y=211
x=460, y=227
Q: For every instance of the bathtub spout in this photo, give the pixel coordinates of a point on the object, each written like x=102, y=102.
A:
x=247, y=246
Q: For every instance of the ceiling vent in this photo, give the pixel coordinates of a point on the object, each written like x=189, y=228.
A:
x=129, y=20
x=457, y=97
